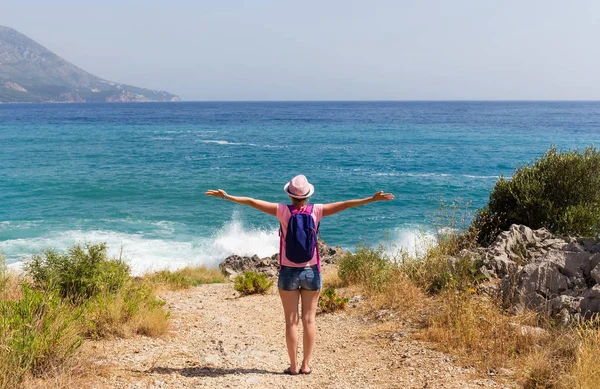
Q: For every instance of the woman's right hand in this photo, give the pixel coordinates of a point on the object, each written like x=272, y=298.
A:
x=216, y=193
x=380, y=196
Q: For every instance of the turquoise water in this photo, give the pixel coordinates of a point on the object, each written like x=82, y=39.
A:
x=134, y=175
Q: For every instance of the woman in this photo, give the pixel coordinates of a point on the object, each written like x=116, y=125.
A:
x=299, y=281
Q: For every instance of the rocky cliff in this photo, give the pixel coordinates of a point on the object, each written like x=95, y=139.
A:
x=31, y=73
x=540, y=271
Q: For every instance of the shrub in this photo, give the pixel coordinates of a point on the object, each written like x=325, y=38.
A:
x=252, y=283
x=186, y=277
x=438, y=271
x=330, y=302
x=133, y=309
x=38, y=332
x=80, y=293
x=114, y=303
x=559, y=191
x=81, y=273
x=368, y=268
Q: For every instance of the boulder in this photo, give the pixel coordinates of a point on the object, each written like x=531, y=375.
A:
x=330, y=255
x=536, y=333
x=236, y=264
x=516, y=247
x=590, y=304
x=540, y=271
x=595, y=274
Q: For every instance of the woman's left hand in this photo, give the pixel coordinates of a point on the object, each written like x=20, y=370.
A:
x=381, y=196
x=216, y=193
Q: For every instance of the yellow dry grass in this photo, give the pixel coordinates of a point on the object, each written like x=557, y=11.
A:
x=118, y=315
x=456, y=319
x=78, y=372
x=584, y=372
x=400, y=293
x=11, y=286
x=185, y=278
x=475, y=327
x=331, y=278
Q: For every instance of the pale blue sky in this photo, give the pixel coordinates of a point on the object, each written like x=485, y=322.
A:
x=327, y=50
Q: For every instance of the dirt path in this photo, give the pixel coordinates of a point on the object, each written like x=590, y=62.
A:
x=221, y=341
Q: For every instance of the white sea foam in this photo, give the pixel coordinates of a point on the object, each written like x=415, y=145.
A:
x=480, y=177
x=145, y=254
x=221, y=142
x=409, y=240
x=19, y=224
x=227, y=143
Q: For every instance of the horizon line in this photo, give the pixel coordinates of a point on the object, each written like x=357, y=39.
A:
x=313, y=101
x=389, y=101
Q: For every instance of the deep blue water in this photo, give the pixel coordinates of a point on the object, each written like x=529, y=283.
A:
x=134, y=175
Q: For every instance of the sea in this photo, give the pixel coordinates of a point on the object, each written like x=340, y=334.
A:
x=135, y=175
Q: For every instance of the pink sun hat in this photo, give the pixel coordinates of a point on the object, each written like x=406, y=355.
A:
x=299, y=187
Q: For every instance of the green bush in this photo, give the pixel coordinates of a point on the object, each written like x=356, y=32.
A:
x=37, y=332
x=330, y=302
x=559, y=191
x=73, y=295
x=79, y=274
x=252, y=283
x=368, y=268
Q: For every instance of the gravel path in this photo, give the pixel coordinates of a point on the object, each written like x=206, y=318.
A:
x=221, y=341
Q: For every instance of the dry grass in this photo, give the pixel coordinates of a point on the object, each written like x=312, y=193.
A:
x=584, y=372
x=79, y=372
x=150, y=322
x=331, y=278
x=438, y=292
x=133, y=310
x=11, y=286
x=400, y=293
x=185, y=278
x=474, y=327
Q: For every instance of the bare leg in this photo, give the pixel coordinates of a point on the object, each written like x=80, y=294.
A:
x=289, y=299
x=310, y=299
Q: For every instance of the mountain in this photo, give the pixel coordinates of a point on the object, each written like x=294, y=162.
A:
x=31, y=73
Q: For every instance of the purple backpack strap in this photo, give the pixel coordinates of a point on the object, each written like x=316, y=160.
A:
x=280, y=246
x=312, y=207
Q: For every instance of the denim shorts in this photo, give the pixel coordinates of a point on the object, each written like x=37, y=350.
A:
x=294, y=278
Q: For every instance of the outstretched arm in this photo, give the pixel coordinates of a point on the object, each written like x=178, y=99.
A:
x=263, y=206
x=333, y=208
